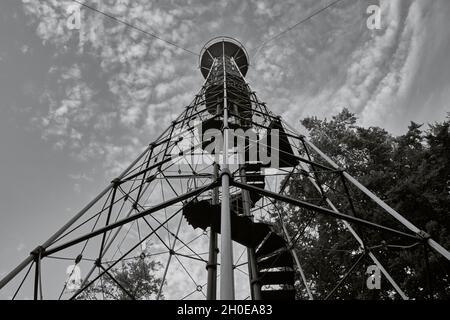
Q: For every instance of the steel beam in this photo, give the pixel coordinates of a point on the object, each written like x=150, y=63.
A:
x=130, y=219
x=349, y=272
x=58, y=233
x=359, y=240
x=432, y=243
x=322, y=210
x=255, y=287
x=226, y=244
x=211, y=289
x=297, y=260
x=171, y=253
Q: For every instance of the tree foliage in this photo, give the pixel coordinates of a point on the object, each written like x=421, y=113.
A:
x=410, y=172
x=134, y=279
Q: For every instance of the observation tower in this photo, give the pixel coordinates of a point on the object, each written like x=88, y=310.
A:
x=218, y=229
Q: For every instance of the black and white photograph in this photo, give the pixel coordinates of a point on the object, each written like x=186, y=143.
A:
x=259, y=152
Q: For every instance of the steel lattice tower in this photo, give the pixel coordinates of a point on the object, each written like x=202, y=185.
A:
x=180, y=196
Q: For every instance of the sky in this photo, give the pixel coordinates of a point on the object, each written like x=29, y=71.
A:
x=78, y=105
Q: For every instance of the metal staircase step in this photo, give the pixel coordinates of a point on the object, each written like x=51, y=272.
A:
x=277, y=277
x=288, y=294
x=260, y=231
x=199, y=214
x=243, y=230
x=202, y=214
x=282, y=259
x=271, y=244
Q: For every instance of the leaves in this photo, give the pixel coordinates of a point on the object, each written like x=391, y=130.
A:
x=136, y=277
x=410, y=172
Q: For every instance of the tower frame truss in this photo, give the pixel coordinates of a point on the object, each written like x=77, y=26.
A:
x=182, y=199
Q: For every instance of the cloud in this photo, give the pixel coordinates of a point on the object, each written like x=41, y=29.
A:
x=69, y=110
x=121, y=81
x=20, y=247
x=116, y=83
x=334, y=61
x=77, y=188
x=24, y=49
x=80, y=176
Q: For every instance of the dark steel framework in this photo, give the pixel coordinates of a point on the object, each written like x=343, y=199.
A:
x=148, y=203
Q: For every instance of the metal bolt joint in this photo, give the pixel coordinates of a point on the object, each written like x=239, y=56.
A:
x=424, y=235
x=211, y=266
x=39, y=250
x=78, y=258
x=98, y=263
x=116, y=182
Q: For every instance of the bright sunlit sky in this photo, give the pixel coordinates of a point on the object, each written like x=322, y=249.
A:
x=77, y=105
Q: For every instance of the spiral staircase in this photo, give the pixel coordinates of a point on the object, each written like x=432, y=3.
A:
x=275, y=265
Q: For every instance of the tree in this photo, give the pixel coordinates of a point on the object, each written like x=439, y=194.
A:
x=410, y=172
x=135, y=279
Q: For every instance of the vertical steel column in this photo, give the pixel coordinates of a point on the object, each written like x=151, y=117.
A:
x=255, y=287
x=427, y=272
x=226, y=245
x=37, y=272
x=211, y=267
